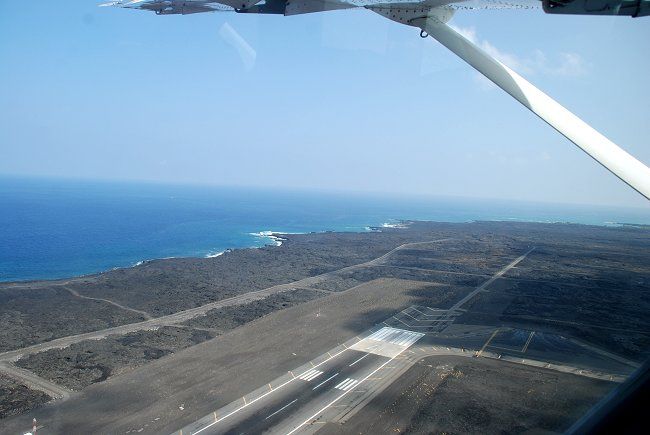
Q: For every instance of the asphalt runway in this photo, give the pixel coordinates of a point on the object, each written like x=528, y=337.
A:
x=335, y=388
x=294, y=405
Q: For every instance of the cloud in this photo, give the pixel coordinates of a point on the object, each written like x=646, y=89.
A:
x=569, y=64
x=565, y=64
x=509, y=59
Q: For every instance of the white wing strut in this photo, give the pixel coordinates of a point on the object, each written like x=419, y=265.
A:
x=604, y=151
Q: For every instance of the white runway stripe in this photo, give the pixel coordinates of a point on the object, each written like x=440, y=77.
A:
x=358, y=360
x=400, y=337
x=410, y=341
x=325, y=381
x=282, y=409
x=350, y=385
x=410, y=338
x=313, y=376
x=309, y=375
x=346, y=383
x=383, y=333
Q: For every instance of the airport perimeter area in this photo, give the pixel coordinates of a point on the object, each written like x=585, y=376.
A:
x=450, y=327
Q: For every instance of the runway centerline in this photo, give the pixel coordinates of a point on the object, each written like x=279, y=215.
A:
x=325, y=381
x=358, y=360
x=283, y=408
x=282, y=405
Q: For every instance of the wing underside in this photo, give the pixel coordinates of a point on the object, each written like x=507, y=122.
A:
x=634, y=8
x=296, y=7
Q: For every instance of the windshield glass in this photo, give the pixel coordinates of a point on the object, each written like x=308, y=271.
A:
x=320, y=216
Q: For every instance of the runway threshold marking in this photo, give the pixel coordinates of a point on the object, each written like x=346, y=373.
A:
x=328, y=379
x=400, y=337
x=283, y=408
x=358, y=360
x=338, y=398
x=347, y=384
x=310, y=375
x=261, y=396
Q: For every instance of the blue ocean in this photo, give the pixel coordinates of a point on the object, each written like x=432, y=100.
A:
x=56, y=229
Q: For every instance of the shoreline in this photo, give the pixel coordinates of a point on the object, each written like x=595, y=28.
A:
x=276, y=239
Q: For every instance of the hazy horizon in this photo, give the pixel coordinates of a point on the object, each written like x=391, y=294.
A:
x=338, y=101
x=61, y=228
x=370, y=194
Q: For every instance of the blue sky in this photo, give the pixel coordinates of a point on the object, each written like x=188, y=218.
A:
x=342, y=100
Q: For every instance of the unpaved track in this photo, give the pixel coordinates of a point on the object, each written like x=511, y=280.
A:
x=483, y=286
x=33, y=381
x=108, y=301
x=182, y=316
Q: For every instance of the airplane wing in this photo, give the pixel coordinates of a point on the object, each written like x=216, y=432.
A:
x=174, y=7
x=431, y=16
x=296, y=7
x=633, y=8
